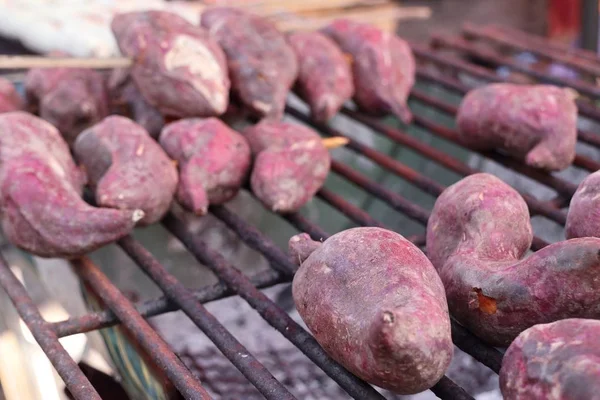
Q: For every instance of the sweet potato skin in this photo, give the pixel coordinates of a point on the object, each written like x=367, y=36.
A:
x=71, y=99
x=324, y=78
x=537, y=123
x=127, y=168
x=214, y=161
x=41, y=207
x=365, y=293
x=10, y=100
x=178, y=68
x=556, y=361
x=383, y=67
x=477, y=235
x=583, y=219
x=290, y=164
x=261, y=63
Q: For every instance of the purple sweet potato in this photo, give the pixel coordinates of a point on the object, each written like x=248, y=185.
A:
x=262, y=65
x=325, y=77
x=376, y=305
x=40, y=194
x=556, y=361
x=127, y=168
x=214, y=161
x=382, y=64
x=10, y=100
x=537, y=123
x=71, y=99
x=290, y=165
x=177, y=68
x=583, y=219
x=477, y=235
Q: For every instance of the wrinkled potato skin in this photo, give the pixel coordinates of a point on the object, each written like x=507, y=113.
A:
x=556, y=361
x=477, y=235
x=583, y=219
x=376, y=305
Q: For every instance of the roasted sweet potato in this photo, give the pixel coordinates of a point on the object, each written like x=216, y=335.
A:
x=477, y=235
x=556, y=361
x=325, y=78
x=290, y=164
x=376, y=305
x=382, y=64
x=71, y=99
x=127, y=168
x=262, y=65
x=10, y=100
x=40, y=194
x=178, y=68
x=537, y=123
x=214, y=161
x=583, y=219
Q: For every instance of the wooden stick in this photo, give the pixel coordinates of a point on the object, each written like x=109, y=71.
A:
x=26, y=62
x=335, y=142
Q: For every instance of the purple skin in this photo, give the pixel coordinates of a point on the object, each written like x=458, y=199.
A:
x=178, y=69
x=376, y=305
x=583, y=219
x=325, y=78
x=556, y=361
x=477, y=235
x=536, y=123
x=290, y=164
x=40, y=185
x=383, y=67
x=10, y=100
x=214, y=161
x=71, y=99
x=262, y=65
x=127, y=168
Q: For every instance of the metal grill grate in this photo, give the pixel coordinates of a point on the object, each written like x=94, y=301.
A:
x=475, y=54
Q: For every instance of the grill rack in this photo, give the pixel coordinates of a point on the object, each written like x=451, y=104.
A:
x=446, y=72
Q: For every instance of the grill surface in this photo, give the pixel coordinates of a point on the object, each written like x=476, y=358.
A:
x=475, y=55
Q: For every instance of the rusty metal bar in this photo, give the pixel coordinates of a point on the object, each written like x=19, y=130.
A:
x=231, y=348
x=77, y=383
x=274, y=315
x=348, y=209
x=143, y=333
x=447, y=389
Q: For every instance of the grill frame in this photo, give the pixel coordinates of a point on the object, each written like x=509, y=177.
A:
x=233, y=282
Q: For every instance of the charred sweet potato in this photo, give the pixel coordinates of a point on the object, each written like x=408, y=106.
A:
x=290, y=164
x=382, y=64
x=177, y=67
x=262, y=65
x=127, y=168
x=71, y=99
x=376, y=305
x=40, y=194
x=477, y=235
x=537, y=123
x=556, y=361
x=214, y=161
x=10, y=100
x=583, y=219
x=325, y=78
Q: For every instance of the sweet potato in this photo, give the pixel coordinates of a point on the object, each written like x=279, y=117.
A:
x=261, y=64
x=477, y=235
x=10, y=100
x=583, y=219
x=536, y=123
x=556, y=361
x=127, y=168
x=290, y=164
x=40, y=194
x=71, y=99
x=214, y=161
x=325, y=78
x=376, y=305
x=178, y=68
x=382, y=64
